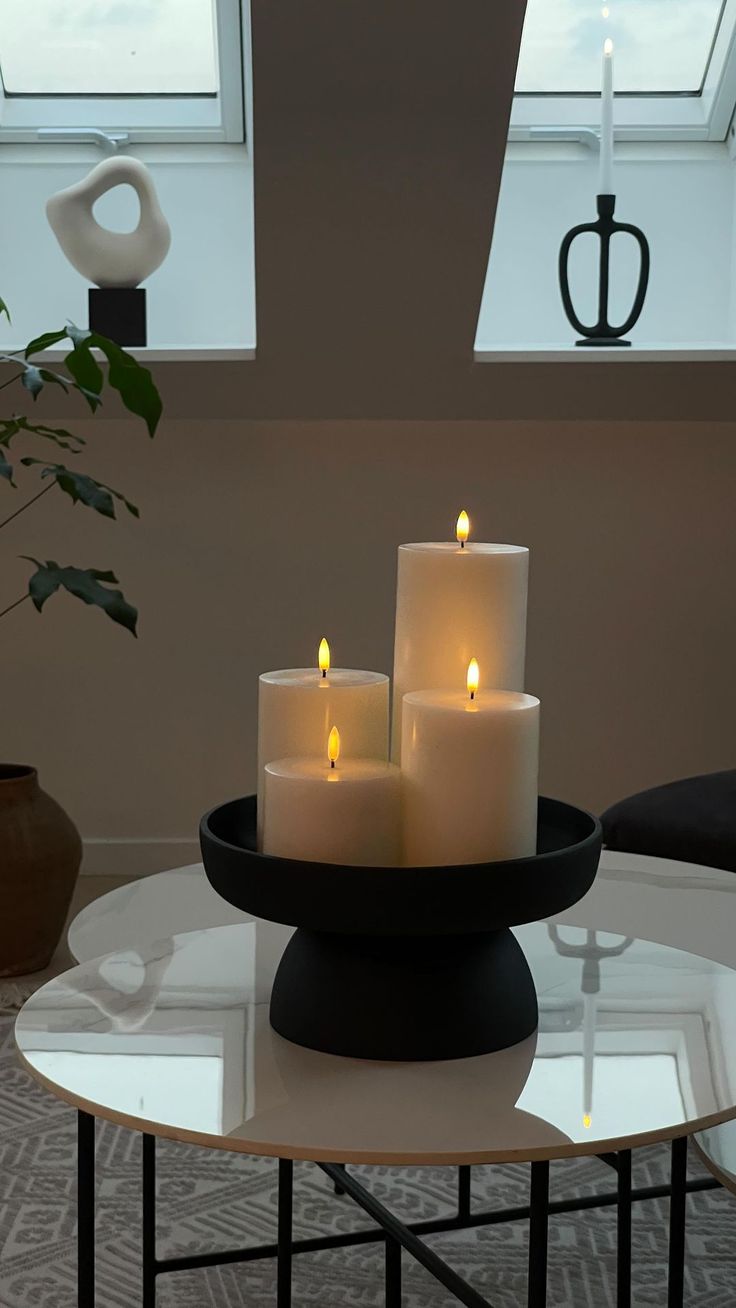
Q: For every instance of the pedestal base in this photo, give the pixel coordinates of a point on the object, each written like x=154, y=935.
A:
x=404, y=998
x=119, y=312
x=603, y=342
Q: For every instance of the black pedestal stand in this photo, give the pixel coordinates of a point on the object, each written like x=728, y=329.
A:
x=403, y=963
x=119, y=312
x=602, y=333
x=404, y=997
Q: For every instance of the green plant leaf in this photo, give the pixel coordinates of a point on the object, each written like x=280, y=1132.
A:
x=34, y=379
x=4, y=309
x=44, y=342
x=85, y=584
x=131, y=380
x=6, y=469
x=83, y=489
x=77, y=334
x=87, y=373
x=10, y=427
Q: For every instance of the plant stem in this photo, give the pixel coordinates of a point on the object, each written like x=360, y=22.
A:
x=10, y=381
x=27, y=505
x=10, y=607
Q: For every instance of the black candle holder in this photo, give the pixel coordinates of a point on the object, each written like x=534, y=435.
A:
x=403, y=963
x=119, y=312
x=602, y=332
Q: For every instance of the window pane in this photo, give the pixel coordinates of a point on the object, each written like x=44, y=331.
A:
x=658, y=45
x=108, y=47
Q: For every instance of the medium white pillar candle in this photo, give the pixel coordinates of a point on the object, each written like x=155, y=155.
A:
x=470, y=768
x=455, y=601
x=333, y=812
x=297, y=707
x=605, y=179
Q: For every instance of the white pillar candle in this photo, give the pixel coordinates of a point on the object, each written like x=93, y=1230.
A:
x=453, y=601
x=297, y=707
x=605, y=180
x=346, y=811
x=470, y=765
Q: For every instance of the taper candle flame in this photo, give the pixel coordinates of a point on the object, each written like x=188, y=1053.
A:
x=462, y=528
x=323, y=657
x=473, y=678
x=587, y=1121
x=608, y=46
x=333, y=746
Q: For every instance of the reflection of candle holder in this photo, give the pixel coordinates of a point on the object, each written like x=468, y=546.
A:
x=591, y=954
x=602, y=332
x=403, y=963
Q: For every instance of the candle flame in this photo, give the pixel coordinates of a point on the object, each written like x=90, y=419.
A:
x=323, y=656
x=462, y=528
x=587, y=1121
x=473, y=678
x=608, y=46
x=333, y=746
x=605, y=11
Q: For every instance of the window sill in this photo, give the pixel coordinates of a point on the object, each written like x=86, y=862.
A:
x=708, y=352
x=201, y=301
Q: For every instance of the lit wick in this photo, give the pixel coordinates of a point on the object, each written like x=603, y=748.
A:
x=473, y=678
x=462, y=528
x=333, y=747
x=323, y=657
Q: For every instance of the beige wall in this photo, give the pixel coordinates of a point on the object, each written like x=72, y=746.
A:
x=379, y=138
x=257, y=538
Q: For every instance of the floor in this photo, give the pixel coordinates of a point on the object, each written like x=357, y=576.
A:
x=87, y=889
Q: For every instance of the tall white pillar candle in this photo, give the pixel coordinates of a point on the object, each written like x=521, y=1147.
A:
x=341, y=812
x=605, y=180
x=297, y=707
x=455, y=601
x=469, y=776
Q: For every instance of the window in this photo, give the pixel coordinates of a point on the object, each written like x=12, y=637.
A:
x=674, y=68
x=151, y=69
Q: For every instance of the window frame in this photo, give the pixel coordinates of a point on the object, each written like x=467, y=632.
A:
x=146, y=118
x=704, y=115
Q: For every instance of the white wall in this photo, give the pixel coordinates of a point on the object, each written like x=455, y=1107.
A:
x=683, y=200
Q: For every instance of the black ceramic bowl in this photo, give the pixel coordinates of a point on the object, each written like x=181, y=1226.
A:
x=402, y=901
x=403, y=962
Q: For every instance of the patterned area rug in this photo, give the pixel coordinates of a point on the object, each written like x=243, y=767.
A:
x=214, y=1200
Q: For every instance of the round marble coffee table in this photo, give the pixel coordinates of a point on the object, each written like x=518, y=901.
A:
x=172, y=1039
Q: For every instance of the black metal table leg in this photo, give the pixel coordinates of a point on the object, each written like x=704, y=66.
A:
x=538, y=1218
x=678, y=1194
x=149, y=1221
x=85, y=1210
x=393, y=1273
x=463, y=1191
x=623, y=1254
x=284, y=1256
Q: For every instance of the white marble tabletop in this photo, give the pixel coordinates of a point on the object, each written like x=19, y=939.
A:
x=173, y=1037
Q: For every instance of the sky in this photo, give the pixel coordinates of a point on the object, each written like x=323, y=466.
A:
x=107, y=46
x=659, y=45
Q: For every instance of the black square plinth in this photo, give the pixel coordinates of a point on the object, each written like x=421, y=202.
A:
x=119, y=312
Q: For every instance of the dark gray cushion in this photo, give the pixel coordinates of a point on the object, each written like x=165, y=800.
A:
x=693, y=820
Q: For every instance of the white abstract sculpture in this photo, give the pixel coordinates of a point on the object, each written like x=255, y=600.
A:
x=110, y=259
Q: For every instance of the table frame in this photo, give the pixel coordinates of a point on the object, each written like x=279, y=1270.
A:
x=398, y=1236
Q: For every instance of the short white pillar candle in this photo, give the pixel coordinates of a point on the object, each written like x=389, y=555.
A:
x=455, y=601
x=297, y=707
x=470, y=768
x=327, y=811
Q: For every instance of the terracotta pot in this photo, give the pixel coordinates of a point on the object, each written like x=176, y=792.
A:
x=40, y=853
